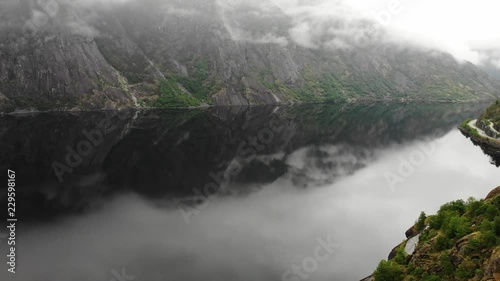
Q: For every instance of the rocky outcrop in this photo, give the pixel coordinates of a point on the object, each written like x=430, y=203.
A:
x=492, y=266
x=450, y=251
x=423, y=258
x=209, y=52
x=494, y=193
x=411, y=232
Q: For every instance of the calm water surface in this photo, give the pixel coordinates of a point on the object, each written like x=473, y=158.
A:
x=279, y=180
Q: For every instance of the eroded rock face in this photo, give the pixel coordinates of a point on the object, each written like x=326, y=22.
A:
x=493, y=266
x=49, y=67
x=494, y=193
x=458, y=251
x=411, y=232
x=424, y=259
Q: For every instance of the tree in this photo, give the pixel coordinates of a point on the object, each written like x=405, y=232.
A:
x=388, y=271
x=420, y=225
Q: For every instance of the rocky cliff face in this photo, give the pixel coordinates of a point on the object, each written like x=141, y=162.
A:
x=59, y=55
x=461, y=242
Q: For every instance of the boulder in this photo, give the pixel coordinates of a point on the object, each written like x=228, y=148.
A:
x=411, y=232
x=494, y=193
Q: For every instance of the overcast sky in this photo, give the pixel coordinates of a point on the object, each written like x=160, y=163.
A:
x=466, y=29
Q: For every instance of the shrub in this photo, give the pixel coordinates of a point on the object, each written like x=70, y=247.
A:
x=442, y=243
x=447, y=264
x=457, y=227
x=199, y=84
x=401, y=255
x=388, y=271
x=474, y=246
x=436, y=221
x=171, y=95
x=491, y=212
x=432, y=277
x=486, y=225
x=420, y=225
x=458, y=206
x=473, y=207
x=466, y=270
x=496, y=226
x=488, y=239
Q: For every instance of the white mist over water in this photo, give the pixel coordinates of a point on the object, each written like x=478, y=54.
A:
x=261, y=235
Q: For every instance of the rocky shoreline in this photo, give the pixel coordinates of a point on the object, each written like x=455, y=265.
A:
x=427, y=263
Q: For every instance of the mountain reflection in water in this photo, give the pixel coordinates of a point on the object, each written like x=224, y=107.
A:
x=284, y=177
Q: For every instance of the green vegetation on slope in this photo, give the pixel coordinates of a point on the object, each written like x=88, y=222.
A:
x=200, y=85
x=468, y=129
x=490, y=117
x=320, y=86
x=316, y=88
x=460, y=242
x=171, y=95
x=493, y=114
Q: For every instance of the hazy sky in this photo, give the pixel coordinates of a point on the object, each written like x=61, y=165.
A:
x=466, y=29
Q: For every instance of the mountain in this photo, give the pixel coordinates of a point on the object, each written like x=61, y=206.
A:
x=70, y=55
x=460, y=242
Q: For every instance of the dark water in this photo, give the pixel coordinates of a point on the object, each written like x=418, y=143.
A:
x=270, y=193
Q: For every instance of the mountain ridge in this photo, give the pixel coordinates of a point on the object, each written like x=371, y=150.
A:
x=192, y=53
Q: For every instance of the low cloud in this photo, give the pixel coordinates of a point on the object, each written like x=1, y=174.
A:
x=332, y=25
x=464, y=29
x=81, y=28
x=241, y=35
x=178, y=11
x=261, y=235
x=467, y=30
x=253, y=22
x=75, y=15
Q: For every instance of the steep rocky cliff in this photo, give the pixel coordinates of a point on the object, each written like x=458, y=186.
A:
x=65, y=55
x=460, y=242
